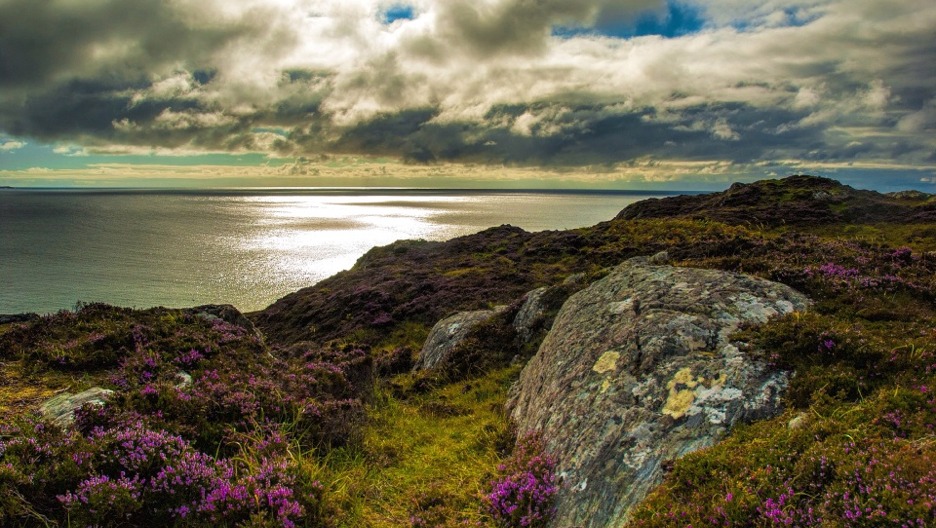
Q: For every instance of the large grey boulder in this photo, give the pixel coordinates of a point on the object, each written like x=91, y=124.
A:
x=638, y=370
x=447, y=334
x=60, y=409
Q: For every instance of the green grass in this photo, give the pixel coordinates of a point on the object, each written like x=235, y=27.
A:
x=428, y=456
x=22, y=391
x=919, y=237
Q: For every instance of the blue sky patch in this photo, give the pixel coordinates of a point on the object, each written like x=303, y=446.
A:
x=678, y=20
x=398, y=12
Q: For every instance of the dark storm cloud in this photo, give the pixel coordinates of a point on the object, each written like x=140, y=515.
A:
x=78, y=70
x=589, y=134
x=44, y=41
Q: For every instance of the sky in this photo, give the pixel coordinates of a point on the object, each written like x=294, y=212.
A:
x=624, y=94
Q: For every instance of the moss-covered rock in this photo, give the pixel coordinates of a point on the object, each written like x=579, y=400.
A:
x=638, y=370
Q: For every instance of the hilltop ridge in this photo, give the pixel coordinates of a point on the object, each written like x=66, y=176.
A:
x=794, y=200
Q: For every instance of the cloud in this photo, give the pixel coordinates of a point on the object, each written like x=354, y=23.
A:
x=480, y=81
x=11, y=145
x=523, y=27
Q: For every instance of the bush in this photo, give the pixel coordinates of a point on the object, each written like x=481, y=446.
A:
x=524, y=493
x=135, y=475
x=185, y=387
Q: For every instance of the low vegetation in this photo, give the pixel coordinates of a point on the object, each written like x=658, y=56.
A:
x=318, y=422
x=857, y=445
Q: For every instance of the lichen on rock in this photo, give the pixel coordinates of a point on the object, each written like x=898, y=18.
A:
x=637, y=370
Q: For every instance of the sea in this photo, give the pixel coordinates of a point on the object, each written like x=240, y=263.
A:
x=245, y=247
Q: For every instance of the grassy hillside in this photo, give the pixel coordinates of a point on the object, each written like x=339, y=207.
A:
x=318, y=422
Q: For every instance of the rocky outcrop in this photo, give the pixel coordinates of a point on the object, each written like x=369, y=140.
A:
x=795, y=200
x=226, y=313
x=637, y=370
x=539, y=306
x=531, y=311
x=447, y=334
x=60, y=409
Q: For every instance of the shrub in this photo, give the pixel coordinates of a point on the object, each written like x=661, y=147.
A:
x=186, y=387
x=524, y=493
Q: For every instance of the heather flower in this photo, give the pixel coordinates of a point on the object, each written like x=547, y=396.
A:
x=101, y=500
x=833, y=270
x=524, y=495
x=190, y=358
x=902, y=255
x=136, y=449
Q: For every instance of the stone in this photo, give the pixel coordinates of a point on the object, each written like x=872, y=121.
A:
x=447, y=334
x=539, y=308
x=660, y=258
x=183, y=380
x=638, y=370
x=60, y=409
x=226, y=313
x=797, y=422
x=530, y=313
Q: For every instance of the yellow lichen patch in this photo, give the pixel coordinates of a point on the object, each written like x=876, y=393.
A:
x=719, y=381
x=605, y=385
x=681, y=393
x=607, y=362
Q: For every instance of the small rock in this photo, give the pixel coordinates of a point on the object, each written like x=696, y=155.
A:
x=184, y=380
x=660, y=258
x=797, y=422
x=447, y=334
x=60, y=409
x=226, y=313
x=530, y=311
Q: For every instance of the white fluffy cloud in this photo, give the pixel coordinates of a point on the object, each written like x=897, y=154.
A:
x=11, y=145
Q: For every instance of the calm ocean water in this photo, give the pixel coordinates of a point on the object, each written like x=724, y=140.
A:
x=243, y=247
